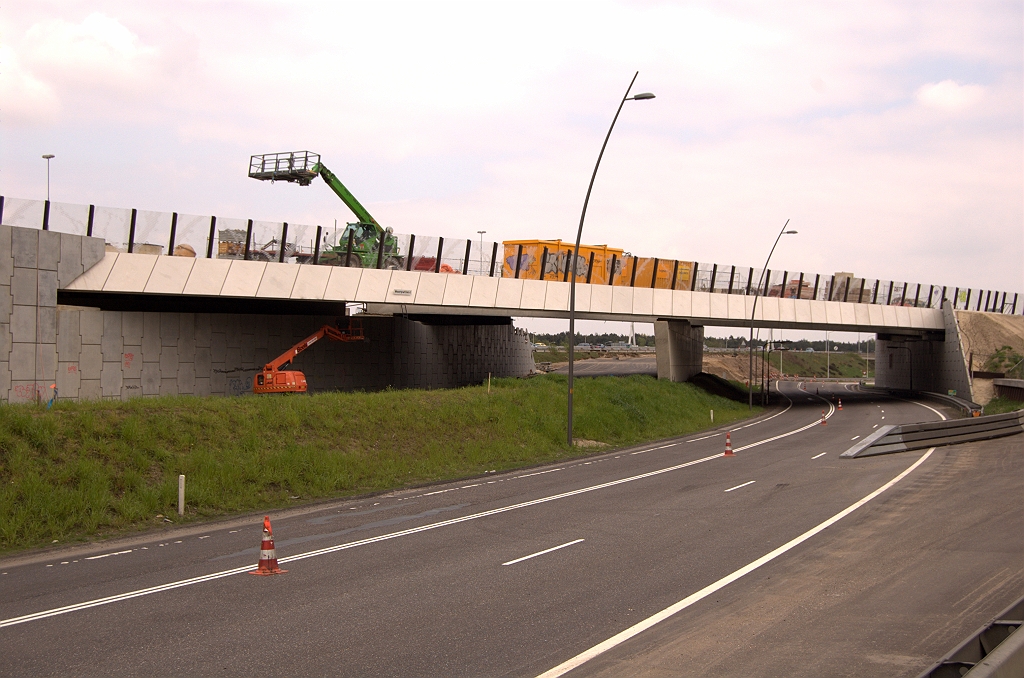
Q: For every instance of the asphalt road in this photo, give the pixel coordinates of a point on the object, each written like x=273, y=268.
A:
x=602, y=367
x=515, y=574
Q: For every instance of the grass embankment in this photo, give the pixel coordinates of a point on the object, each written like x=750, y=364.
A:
x=90, y=469
x=814, y=364
x=1000, y=405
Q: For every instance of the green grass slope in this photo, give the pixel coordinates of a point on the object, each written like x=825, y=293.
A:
x=91, y=469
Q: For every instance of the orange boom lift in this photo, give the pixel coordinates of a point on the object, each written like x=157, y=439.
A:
x=273, y=379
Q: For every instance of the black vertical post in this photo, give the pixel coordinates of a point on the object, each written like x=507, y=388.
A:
x=988, y=295
x=967, y=301
x=494, y=257
x=694, y=275
x=412, y=248
x=750, y=277
x=440, y=251
x=943, y=296
x=1, y=209
x=88, y=224
x=209, y=241
x=817, y=279
x=654, y=273
x=1002, y=306
x=316, y=245
x=465, y=261
x=767, y=281
x=348, y=248
x=131, y=232
x=860, y=292
x=874, y=291
x=46, y=215
x=568, y=266
x=174, y=233
x=632, y=277
x=931, y=293
x=714, y=274
x=248, y=240
x=831, y=288
x=732, y=276
x=1014, y=309
x=846, y=289
x=284, y=240
x=800, y=286
x=956, y=296
x=380, y=249
x=611, y=271
x=917, y=294
x=978, y=308
x=888, y=299
x=519, y=260
x=543, y=262
x=785, y=279
x=675, y=274
x=903, y=295
x=590, y=267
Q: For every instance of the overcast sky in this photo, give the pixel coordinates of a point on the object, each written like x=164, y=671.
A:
x=889, y=133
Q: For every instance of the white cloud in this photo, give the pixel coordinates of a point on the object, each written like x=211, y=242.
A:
x=24, y=98
x=949, y=95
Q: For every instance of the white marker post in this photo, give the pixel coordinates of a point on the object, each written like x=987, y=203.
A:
x=181, y=495
x=712, y=416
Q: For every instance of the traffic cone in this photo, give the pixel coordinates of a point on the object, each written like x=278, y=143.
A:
x=840, y=404
x=728, y=445
x=824, y=422
x=268, y=556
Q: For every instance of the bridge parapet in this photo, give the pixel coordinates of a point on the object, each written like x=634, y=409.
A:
x=224, y=239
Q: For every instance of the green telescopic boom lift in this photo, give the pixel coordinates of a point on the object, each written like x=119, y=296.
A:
x=365, y=234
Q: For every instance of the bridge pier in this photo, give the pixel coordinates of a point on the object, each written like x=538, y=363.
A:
x=680, y=347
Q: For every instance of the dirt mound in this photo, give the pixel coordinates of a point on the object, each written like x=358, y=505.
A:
x=985, y=333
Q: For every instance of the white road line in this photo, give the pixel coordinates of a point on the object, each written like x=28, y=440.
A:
x=875, y=426
x=671, y=610
x=819, y=455
x=540, y=553
x=749, y=482
x=539, y=473
x=107, y=555
x=854, y=437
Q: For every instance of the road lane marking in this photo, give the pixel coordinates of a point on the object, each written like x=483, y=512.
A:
x=107, y=555
x=875, y=426
x=671, y=610
x=540, y=553
x=749, y=482
x=819, y=455
x=854, y=437
x=43, y=614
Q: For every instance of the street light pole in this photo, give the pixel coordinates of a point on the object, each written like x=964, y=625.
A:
x=48, y=157
x=757, y=293
x=579, y=235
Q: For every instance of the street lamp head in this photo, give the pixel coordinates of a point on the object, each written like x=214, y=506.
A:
x=789, y=233
x=642, y=96
x=48, y=156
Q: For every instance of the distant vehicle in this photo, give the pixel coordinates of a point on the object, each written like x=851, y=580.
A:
x=808, y=350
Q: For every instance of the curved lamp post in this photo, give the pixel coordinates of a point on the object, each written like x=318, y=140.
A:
x=579, y=234
x=757, y=293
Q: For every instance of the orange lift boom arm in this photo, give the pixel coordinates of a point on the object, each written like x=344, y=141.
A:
x=275, y=380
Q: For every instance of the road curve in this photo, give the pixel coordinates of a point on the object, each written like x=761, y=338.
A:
x=515, y=574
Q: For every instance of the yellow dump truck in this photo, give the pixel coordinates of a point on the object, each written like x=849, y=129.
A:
x=525, y=259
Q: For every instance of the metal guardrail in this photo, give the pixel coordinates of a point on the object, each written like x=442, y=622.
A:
x=906, y=437
x=994, y=651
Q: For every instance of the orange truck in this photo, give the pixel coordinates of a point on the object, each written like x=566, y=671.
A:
x=526, y=258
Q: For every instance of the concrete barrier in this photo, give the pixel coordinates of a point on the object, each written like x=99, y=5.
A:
x=994, y=651
x=906, y=437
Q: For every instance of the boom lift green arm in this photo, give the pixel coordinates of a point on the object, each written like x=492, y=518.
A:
x=302, y=167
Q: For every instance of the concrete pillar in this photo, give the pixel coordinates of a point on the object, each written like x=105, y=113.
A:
x=680, y=348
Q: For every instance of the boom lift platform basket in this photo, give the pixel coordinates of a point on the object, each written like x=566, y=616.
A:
x=298, y=166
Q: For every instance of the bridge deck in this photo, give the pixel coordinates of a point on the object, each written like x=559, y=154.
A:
x=413, y=292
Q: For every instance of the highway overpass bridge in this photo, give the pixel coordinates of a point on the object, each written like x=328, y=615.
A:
x=98, y=322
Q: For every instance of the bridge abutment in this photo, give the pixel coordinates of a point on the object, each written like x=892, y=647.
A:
x=931, y=362
x=680, y=347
